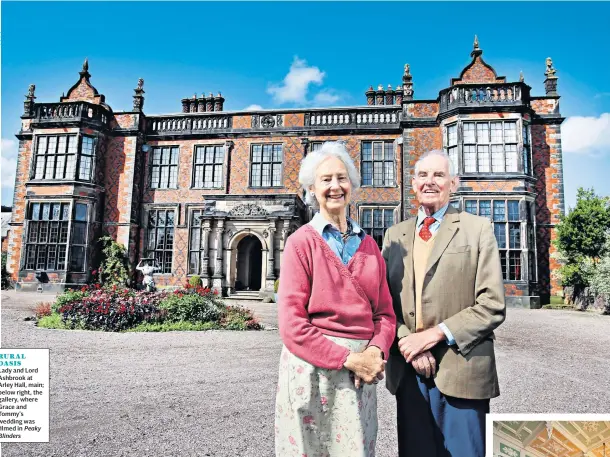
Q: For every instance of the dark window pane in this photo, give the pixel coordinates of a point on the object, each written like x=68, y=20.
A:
x=513, y=210
x=514, y=229
x=500, y=232
x=514, y=266
x=79, y=233
x=77, y=259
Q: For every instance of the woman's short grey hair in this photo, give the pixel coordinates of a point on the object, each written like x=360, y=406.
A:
x=436, y=152
x=310, y=164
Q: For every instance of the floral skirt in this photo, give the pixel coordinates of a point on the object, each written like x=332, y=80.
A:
x=319, y=412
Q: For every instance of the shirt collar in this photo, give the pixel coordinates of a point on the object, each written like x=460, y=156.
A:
x=421, y=214
x=319, y=223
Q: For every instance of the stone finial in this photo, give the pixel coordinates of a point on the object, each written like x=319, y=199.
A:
x=389, y=87
x=380, y=87
x=407, y=84
x=521, y=78
x=550, y=71
x=138, y=98
x=86, y=64
x=370, y=96
x=476, y=50
x=28, y=104
x=550, y=83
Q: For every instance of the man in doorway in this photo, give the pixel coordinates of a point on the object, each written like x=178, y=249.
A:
x=444, y=273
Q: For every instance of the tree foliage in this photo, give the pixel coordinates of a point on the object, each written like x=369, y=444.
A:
x=582, y=239
x=583, y=232
x=113, y=267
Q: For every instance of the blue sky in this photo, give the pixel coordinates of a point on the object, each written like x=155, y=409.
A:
x=293, y=54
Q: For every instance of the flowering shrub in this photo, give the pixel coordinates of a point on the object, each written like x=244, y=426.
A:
x=69, y=296
x=192, y=304
x=93, y=307
x=237, y=318
x=43, y=309
x=113, y=309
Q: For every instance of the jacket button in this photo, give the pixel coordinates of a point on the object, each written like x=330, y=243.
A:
x=411, y=314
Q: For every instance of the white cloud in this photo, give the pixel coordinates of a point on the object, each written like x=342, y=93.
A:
x=326, y=97
x=296, y=83
x=8, y=166
x=253, y=108
x=586, y=135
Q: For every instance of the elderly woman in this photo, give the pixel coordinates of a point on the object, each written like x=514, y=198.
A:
x=335, y=319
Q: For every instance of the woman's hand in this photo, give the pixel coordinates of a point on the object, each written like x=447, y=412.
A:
x=367, y=366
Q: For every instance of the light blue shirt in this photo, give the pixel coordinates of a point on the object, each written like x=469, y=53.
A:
x=439, y=215
x=344, y=250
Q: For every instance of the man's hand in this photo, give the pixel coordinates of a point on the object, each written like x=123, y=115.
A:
x=416, y=343
x=425, y=364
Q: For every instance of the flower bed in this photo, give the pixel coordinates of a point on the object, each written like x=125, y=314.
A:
x=117, y=309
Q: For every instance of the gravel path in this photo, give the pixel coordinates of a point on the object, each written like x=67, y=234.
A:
x=212, y=393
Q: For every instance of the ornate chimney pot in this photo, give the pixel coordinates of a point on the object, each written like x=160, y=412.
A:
x=370, y=96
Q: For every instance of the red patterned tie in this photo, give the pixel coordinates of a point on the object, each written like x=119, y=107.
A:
x=425, y=233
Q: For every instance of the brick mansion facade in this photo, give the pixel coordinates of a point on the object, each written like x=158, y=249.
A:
x=215, y=193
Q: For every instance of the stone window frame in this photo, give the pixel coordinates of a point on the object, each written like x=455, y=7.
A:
x=204, y=164
x=455, y=145
x=152, y=166
x=201, y=228
x=147, y=209
x=251, y=185
x=394, y=178
x=72, y=159
x=527, y=234
x=384, y=206
x=64, y=205
x=315, y=145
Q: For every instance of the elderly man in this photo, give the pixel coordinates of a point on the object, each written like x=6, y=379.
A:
x=445, y=278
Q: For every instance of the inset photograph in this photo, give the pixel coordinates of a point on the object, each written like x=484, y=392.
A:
x=561, y=438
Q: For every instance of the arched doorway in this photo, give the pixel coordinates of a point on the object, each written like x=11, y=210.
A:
x=249, y=264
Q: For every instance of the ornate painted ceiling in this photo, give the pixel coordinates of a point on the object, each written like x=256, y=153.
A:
x=567, y=438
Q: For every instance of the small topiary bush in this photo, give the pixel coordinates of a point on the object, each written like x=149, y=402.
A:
x=195, y=281
x=197, y=304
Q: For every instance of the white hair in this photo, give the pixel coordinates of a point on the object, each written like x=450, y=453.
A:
x=436, y=152
x=310, y=164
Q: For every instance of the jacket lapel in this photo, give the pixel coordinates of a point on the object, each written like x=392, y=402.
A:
x=408, y=236
x=445, y=234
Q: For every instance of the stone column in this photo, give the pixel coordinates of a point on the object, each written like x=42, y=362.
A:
x=217, y=277
x=270, y=235
x=205, y=258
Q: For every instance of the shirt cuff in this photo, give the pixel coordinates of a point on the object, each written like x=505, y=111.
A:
x=448, y=334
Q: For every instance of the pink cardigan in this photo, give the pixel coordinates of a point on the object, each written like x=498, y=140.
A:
x=319, y=295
